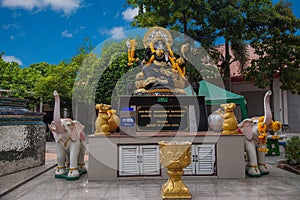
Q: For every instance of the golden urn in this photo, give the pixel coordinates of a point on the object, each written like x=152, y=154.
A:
x=175, y=156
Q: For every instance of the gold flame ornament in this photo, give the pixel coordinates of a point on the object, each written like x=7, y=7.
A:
x=262, y=137
x=262, y=130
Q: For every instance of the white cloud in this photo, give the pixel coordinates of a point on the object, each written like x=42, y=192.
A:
x=130, y=13
x=66, y=6
x=104, y=31
x=117, y=33
x=27, y=5
x=79, y=29
x=17, y=35
x=12, y=59
x=66, y=34
x=11, y=26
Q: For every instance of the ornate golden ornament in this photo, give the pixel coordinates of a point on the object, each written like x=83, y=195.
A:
x=263, y=150
x=175, y=156
x=262, y=129
x=156, y=34
x=275, y=137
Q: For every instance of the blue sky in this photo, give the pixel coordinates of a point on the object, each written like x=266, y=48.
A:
x=33, y=31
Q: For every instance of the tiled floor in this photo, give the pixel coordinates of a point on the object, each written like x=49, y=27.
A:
x=279, y=184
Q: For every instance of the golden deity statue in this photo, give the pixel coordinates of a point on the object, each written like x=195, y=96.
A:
x=162, y=72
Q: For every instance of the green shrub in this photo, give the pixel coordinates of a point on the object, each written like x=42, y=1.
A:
x=293, y=151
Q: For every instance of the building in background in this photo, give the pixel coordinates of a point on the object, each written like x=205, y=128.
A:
x=286, y=106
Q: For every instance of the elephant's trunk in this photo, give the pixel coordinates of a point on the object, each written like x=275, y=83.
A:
x=267, y=109
x=56, y=115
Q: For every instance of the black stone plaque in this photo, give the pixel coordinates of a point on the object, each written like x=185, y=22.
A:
x=167, y=113
x=167, y=118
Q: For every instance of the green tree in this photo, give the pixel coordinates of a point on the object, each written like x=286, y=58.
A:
x=185, y=16
x=227, y=17
x=9, y=74
x=111, y=70
x=60, y=77
x=276, y=43
x=20, y=82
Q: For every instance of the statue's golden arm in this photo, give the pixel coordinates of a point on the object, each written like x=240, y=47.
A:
x=131, y=51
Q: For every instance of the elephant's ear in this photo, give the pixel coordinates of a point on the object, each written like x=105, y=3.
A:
x=53, y=128
x=246, y=128
x=76, y=130
x=82, y=136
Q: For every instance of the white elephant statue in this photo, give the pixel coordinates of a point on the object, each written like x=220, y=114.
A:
x=70, y=147
x=255, y=143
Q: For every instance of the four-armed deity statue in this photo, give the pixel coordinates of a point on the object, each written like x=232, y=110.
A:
x=162, y=72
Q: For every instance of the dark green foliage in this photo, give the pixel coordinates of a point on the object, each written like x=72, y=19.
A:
x=272, y=33
x=38, y=81
x=115, y=77
x=20, y=82
x=292, y=151
x=109, y=79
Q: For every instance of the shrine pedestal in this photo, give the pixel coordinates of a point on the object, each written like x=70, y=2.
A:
x=106, y=159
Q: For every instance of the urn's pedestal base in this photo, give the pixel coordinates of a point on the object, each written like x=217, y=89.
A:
x=175, y=195
x=174, y=188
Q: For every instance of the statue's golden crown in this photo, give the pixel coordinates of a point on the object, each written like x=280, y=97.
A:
x=156, y=34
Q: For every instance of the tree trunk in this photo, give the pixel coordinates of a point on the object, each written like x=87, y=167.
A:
x=272, y=99
x=226, y=75
x=185, y=29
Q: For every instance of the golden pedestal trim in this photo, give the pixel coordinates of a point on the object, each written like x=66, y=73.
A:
x=102, y=133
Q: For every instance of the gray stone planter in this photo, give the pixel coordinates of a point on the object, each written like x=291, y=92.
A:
x=22, y=136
